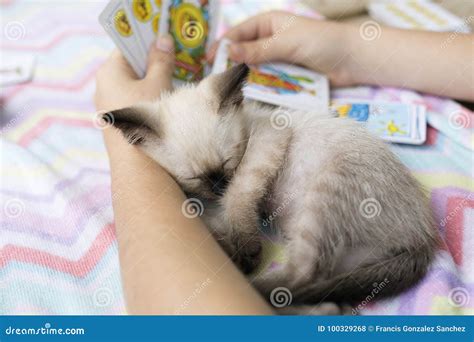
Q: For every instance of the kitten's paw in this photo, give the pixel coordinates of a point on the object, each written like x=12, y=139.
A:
x=248, y=255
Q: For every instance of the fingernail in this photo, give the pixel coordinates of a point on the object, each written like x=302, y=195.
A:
x=165, y=43
x=236, y=51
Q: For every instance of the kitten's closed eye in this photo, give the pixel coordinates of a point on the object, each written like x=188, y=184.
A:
x=218, y=182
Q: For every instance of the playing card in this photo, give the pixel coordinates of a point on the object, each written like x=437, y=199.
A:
x=279, y=84
x=192, y=25
x=394, y=122
x=144, y=17
x=115, y=22
x=288, y=86
x=221, y=59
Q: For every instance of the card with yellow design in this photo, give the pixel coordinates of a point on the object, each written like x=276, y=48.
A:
x=145, y=19
x=192, y=25
x=118, y=25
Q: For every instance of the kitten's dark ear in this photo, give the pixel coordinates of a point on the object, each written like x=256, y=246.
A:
x=133, y=123
x=229, y=86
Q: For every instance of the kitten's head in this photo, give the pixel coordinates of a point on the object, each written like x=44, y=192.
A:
x=196, y=132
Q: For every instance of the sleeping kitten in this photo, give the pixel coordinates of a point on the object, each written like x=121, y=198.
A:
x=349, y=213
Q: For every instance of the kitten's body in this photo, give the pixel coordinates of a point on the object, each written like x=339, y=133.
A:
x=315, y=181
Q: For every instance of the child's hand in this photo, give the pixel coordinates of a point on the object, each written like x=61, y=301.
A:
x=280, y=36
x=117, y=85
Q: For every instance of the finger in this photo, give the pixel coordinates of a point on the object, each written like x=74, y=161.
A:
x=211, y=52
x=161, y=62
x=120, y=66
x=256, y=27
x=261, y=51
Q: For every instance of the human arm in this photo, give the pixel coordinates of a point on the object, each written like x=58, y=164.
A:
x=170, y=264
x=437, y=63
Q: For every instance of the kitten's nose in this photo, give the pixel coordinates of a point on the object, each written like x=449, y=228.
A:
x=218, y=182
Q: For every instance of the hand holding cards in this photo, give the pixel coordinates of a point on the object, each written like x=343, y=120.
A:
x=134, y=25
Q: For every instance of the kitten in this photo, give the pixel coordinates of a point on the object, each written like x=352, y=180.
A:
x=349, y=213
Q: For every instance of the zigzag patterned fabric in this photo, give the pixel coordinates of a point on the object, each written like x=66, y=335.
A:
x=58, y=252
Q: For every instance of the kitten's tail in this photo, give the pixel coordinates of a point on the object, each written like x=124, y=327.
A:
x=386, y=277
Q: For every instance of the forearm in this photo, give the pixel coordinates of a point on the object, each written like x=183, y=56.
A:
x=436, y=63
x=170, y=263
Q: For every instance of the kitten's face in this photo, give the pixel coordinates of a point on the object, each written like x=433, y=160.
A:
x=196, y=133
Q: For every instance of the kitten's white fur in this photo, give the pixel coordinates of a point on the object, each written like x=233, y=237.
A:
x=311, y=178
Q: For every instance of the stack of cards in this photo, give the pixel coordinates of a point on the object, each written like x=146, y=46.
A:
x=280, y=84
x=416, y=14
x=394, y=122
x=134, y=25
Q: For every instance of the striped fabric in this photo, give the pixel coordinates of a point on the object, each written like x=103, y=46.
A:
x=58, y=252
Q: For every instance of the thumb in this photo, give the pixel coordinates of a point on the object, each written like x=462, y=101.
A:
x=260, y=51
x=161, y=61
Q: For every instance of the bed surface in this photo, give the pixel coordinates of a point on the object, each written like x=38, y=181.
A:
x=58, y=253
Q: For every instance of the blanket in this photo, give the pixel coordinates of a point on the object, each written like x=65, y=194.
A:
x=58, y=251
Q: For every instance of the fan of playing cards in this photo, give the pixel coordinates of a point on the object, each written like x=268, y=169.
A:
x=134, y=24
